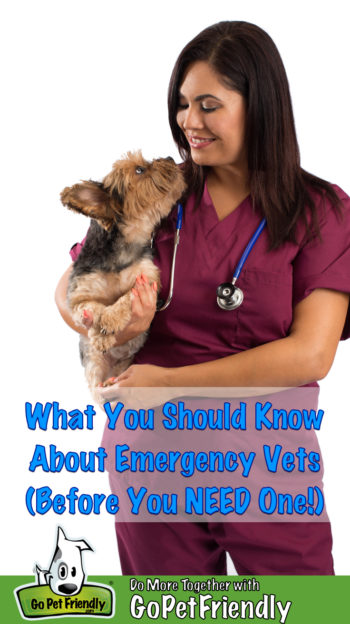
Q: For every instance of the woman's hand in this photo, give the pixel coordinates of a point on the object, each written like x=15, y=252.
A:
x=143, y=309
x=136, y=387
x=142, y=376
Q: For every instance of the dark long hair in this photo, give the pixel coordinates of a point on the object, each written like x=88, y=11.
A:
x=247, y=60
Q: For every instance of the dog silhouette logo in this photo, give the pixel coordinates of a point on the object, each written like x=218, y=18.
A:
x=61, y=590
x=65, y=575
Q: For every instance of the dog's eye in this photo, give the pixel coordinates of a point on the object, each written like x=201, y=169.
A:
x=139, y=170
x=62, y=571
x=74, y=571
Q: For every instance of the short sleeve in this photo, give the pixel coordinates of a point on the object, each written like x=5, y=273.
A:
x=76, y=249
x=326, y=263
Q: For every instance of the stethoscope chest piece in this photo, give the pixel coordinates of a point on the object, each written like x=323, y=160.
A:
x=229, y=296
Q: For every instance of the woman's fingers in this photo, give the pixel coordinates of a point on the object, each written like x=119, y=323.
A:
x=145, y=290
x=136, y=304
x=145, y=296
x=126, y=374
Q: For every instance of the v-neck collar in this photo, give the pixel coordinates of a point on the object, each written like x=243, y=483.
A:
x=212, y=224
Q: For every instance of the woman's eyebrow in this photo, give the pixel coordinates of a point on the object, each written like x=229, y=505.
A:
x=199, y=98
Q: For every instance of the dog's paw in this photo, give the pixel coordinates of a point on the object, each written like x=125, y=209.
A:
x=110, y=322
x=103, y=331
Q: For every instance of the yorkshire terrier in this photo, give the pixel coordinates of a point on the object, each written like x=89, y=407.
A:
x=125, y=209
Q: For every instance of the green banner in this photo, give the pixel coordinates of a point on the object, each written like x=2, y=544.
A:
x=291, y=599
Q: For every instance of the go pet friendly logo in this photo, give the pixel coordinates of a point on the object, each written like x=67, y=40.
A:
x=61, y=590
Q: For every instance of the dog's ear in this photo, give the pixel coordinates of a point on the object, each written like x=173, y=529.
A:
x=90, y=199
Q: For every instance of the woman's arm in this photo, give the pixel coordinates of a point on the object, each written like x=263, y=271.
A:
x=304, y=356
x=61, y=302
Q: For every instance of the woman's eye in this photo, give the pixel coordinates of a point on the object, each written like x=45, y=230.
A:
x=208, y=109
x=204, y=107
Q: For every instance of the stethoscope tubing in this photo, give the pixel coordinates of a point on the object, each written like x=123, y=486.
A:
x=248, y=249
x=228, y=295
x=176, y=243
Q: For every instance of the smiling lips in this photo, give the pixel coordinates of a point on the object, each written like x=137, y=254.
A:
x=199, y=142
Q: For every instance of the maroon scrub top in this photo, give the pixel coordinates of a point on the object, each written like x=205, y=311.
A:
x=193, y=328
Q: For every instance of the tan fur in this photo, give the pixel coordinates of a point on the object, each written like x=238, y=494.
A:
x=90, y=200
x=136, y=202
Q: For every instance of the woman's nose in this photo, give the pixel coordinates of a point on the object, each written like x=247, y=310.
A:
x=193, y=118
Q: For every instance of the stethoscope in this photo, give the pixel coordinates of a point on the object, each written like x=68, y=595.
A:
x=172, y=273
x=228, y=295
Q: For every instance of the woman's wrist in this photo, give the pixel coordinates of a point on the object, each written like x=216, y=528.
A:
x=173, y=377
x=127, y=334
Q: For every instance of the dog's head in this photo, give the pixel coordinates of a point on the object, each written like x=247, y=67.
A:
x=66, y=574
x=134, y=189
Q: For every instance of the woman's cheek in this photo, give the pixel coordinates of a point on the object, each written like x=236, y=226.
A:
x=180, y=119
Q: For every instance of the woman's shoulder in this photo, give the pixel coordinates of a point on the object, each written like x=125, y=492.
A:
x=322, y=198
x=342, y=195
x=331, y=207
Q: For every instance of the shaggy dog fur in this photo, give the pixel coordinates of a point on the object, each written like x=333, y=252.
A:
x=124, y=209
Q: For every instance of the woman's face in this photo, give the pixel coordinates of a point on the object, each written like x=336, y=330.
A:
x=212, y=117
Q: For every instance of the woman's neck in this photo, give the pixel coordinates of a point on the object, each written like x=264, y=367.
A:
x=227, y=188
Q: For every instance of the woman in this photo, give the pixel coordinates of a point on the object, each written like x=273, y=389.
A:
x=231, y=116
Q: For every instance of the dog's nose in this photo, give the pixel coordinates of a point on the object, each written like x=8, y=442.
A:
x=166, y=158
x=67, y=588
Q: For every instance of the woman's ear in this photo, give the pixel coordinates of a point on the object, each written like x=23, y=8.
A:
x=92, y=200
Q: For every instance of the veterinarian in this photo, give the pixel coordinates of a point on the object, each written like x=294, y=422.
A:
x=231, y=117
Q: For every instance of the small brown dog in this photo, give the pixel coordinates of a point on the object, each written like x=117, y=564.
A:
x=124, y=209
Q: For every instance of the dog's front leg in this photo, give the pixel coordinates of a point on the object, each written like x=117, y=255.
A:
x=97, y=370
x=113, y=319
x=95, y=308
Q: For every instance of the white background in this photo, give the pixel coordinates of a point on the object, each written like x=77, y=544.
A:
x=83, y=82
